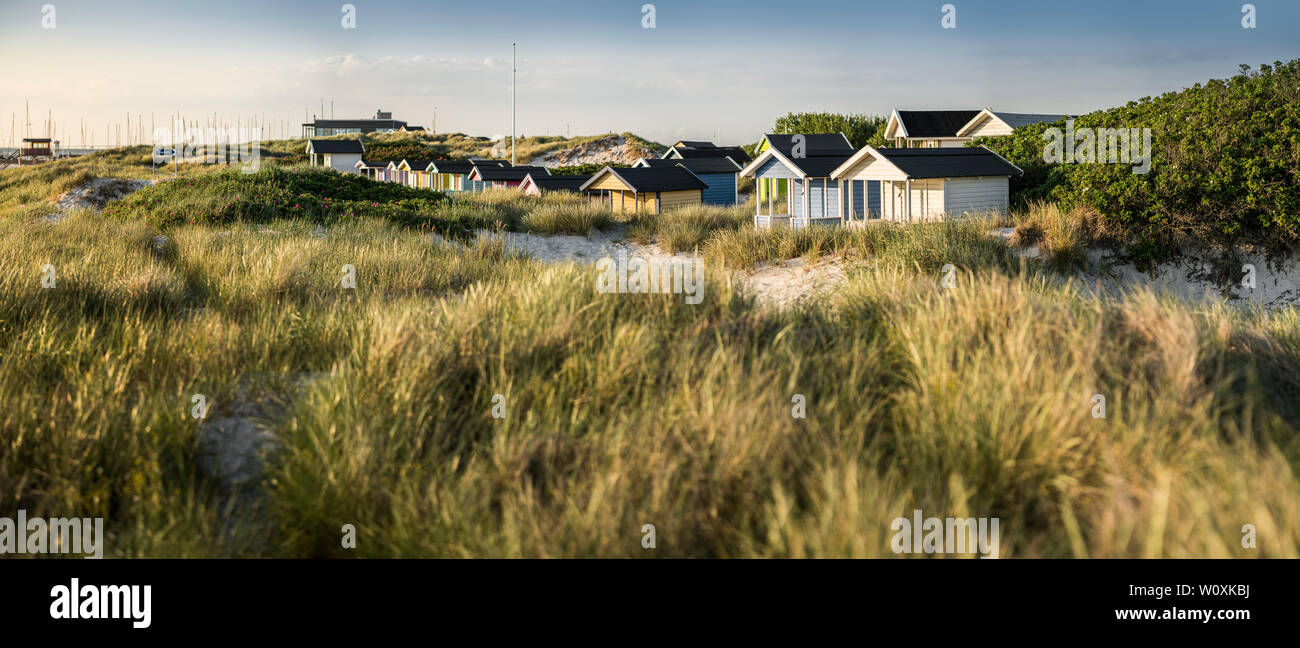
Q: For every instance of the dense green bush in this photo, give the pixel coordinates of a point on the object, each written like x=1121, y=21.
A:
x=1224, y=163
x=276, y=193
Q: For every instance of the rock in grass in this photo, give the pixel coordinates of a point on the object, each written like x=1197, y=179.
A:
x=163, y=247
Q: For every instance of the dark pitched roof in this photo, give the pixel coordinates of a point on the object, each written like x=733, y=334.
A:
x=336, y=146
x=935, y=123
x=418, y=165
x=456, y=167
x=489, y=161
x=695, y=165
x=559, y=182
x=815, y=144
x=948, y=162
x=644, y=179
x=376, y=164
x=734, y=152
x=508, y=174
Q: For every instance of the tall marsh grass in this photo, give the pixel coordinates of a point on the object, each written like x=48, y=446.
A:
x=623, y=410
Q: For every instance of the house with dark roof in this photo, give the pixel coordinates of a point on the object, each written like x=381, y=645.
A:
x=803, y=163
x=927, y=128
x=990, y=123
x=374, y=169
x=501, y=177
x=690, y=149
x=536, y=184
x=919, y=184
x=817, y=143
x=382, y=122
x=645, y=189
x=719, y=173
x=340, y=155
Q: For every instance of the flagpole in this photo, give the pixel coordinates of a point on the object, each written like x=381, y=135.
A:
x=514, y=60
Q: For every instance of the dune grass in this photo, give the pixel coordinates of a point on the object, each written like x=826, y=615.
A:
x=686, y=228
x=623, y=410
x=1062, y=236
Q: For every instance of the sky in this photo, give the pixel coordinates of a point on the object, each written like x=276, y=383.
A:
x=720, y=70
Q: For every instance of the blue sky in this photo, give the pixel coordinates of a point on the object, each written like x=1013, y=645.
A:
x=720, y=68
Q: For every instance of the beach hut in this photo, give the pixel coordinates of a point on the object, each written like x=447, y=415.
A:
x=645, y=188
x=416, y=172
x=499, y=177
x=919, y=184
x=340, y=155
x=814, y=143
x=536, y=184
x=927, y=128
x=449, y=175
x=988, y=123
x=374, y=169
x=719, y=173
x=812, y=198
x=394, y=172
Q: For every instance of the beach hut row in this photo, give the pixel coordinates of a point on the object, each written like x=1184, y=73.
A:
x=449, y=175
x=800, y=179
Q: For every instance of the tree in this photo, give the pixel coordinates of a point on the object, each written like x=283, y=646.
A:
x=859, y=128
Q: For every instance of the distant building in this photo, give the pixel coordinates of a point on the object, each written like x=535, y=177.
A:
x=38, y=149
x=340, y=155
x=382, y=122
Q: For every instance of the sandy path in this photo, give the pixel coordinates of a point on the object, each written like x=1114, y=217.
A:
x=775, y=285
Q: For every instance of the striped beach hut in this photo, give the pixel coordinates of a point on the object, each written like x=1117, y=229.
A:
x=449, y=175
x=394, y=172
x=645, y=188
x=719, y=173
x=416, y=172
x=920, y=184
x=374, y=169
x=813, y=197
